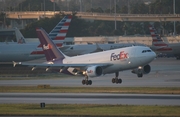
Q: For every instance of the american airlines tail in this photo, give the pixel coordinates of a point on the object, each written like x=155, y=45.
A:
x=20, y=38
x=157, y=42
x=50, y=50
x=60, y=30
x=57, y=34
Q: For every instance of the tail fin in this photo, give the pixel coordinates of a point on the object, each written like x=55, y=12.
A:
x=156, y=39
x=20, y=38
x=50, y=50
x=60, y=30
x=157, y=42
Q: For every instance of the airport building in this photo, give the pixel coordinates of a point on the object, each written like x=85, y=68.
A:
x=10, y=35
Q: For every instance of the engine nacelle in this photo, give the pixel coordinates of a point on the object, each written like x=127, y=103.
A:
x=94, y=71
x=144, y=70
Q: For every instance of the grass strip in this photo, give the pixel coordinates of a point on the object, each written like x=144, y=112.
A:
x=49, y=89
x=88, y=110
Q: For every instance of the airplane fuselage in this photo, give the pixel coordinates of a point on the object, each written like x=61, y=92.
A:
x=81, y=49
x=18, y=52
x=121, y=59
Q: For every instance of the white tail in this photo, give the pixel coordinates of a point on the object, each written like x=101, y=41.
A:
x=19, y=36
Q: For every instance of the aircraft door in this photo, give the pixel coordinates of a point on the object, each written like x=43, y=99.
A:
x=132, y=57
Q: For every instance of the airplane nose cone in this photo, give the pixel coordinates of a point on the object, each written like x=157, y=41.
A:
x=154, y=54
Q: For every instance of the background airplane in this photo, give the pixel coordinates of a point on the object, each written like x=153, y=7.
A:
x=159, y=46
x=95, y=64
x=80, y=49
x=22, y=51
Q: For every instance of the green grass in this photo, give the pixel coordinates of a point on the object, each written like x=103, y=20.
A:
x=141, y=90
x=90, y=110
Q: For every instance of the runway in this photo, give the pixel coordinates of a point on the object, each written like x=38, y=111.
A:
x=90, y=98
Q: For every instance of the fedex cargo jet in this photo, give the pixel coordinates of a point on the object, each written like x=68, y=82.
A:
x=95, y=64
x=160, y=46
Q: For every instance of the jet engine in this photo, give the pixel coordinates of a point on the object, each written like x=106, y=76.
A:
x=142, y=70
x=94, y=71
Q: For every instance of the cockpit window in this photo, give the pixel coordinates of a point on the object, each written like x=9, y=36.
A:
x=144, y=51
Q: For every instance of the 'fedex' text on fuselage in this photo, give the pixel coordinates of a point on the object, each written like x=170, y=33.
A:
x=121, y=56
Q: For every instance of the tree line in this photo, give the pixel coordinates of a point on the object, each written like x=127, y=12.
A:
x=81, y=27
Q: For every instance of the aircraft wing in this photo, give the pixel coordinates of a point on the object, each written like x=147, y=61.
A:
x=41, y=65
x=64, y=47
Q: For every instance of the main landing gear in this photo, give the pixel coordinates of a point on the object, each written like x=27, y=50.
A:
x=86, y=81
x=116, y=79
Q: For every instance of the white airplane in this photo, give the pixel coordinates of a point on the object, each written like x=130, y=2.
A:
x=22, y=51
x=159, y=46
x=95, y=64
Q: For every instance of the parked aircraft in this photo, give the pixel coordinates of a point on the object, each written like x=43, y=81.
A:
x=95, y=64
x=160, y=46
x=22, y=51
x=80, y=49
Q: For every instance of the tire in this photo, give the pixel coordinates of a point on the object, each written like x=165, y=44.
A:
x=86, y=82
x=116, y=80
x=120, y=81
x=113, y=80
x=90, y=82
x=83, y=82
x=140, y=75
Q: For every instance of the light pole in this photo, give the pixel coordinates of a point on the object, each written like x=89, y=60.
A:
x=110, y=6
x=128, y=7
x=44, y=9
x=115, y=14
x=80, y=5
x=54, y=6
x=174, y=14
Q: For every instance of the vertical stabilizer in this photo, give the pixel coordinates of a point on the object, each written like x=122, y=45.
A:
x=60, y=30
x=50, y=50
x=20, y=38
x=156, y=39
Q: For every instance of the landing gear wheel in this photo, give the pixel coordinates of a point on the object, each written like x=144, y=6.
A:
x=116, y=80
x=86, y=82
x=140, y=75
x=120, y=81
x=83, y=82
x=90, y=82
x=113, y=80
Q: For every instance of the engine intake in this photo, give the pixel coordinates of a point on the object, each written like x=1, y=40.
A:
x=145, y=70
